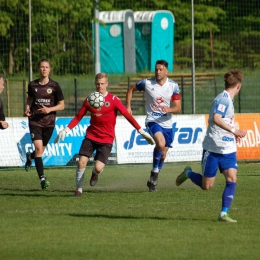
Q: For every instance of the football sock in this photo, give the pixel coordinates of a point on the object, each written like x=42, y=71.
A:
x=228, y=196
x=39, y=166
x=79, y=178
x=156, y=158
x=160, y=165
x=33, y=155
x=196, y=178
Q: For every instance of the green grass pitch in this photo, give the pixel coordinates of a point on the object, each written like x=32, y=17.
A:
x=120, y=219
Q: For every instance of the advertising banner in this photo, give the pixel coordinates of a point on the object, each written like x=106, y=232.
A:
x=188, y=134
x=129, y=145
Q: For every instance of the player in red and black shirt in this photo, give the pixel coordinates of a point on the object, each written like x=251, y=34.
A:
x=101, y=132
x=45, y=97
x=3, y=123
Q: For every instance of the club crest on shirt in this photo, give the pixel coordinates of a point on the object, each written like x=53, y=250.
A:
x=107, y=104
x=49, y=90
x=36, y=90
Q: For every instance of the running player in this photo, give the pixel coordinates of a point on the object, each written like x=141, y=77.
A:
x=45, y=97
x=162, y=100
x=219, y=145
x=101, y=132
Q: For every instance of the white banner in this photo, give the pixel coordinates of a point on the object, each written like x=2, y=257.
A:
x=130, y=147
x=188, y=134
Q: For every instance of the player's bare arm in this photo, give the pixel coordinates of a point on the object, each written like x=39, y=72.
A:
x=129, y=95
x=28, y=105
x=221, y=123
x=46, y=110
x=175, y=109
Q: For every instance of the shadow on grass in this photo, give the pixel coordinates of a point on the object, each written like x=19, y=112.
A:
x=137, y=217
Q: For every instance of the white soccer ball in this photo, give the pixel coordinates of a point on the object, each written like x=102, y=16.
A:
x=96, y=100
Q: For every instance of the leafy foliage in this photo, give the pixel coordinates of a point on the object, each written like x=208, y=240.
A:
x=62, y=32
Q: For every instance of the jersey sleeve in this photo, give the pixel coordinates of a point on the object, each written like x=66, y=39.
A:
x=59, y=93
x=82, y=111
x=221, y=107
x=176, y=91
x=141, y=85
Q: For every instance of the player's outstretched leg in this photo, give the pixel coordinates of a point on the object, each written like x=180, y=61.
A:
x=183, y=176
x=152, y=181
x=28, y=163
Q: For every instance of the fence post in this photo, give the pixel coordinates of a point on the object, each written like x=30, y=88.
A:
x=215, y=86
x=182, y=95
x=24, y=96
x=76, y=95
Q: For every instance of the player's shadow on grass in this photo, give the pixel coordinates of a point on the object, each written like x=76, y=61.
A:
x=135, y=217
x=113, y=216
x=36, y=193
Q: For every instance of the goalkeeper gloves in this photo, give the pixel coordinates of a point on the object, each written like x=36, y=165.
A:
x=61, y=135
x=146, y=136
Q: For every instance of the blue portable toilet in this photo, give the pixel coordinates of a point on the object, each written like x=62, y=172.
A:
x=154, y=39
x=117, y=41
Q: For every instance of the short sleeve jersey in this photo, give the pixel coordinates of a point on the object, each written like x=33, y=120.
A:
x=218, y=140
x=47, y=95
x=158, y=96
x=103, y=120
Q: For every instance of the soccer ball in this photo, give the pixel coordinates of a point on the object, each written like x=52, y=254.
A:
x=96, y=100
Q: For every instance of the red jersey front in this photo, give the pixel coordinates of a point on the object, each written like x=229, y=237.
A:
x=103, y=120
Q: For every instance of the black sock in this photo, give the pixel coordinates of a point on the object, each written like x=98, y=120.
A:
x=33, y=155
x=39, y=166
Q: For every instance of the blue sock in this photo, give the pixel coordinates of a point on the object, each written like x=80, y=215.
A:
x=156, y=157
x=196, y=178
x=161, y=163
x=228, y=196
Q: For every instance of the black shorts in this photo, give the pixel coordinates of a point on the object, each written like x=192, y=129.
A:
x=102, y=150
x=41, y=133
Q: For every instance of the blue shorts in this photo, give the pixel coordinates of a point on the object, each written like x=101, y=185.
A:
x=211, y=162
x=153, y=128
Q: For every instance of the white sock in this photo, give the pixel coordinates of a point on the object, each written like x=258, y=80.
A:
x=222, y=213
x=155, y=170
x=79, y=178
x=42, y=179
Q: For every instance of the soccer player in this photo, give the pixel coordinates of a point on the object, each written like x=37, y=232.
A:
x=162, y=100
x=101, y=132
x=3, y=123
x=45, y=97
x=219, y=145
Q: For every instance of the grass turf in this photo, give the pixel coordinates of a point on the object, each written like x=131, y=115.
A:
x=120, y=219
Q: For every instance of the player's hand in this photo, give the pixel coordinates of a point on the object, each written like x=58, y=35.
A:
x=146, y=136
x=61, y=136
x=27, y=113
x=3, y=124
x=129, y=110
x=240, y=133
x=45, y=110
